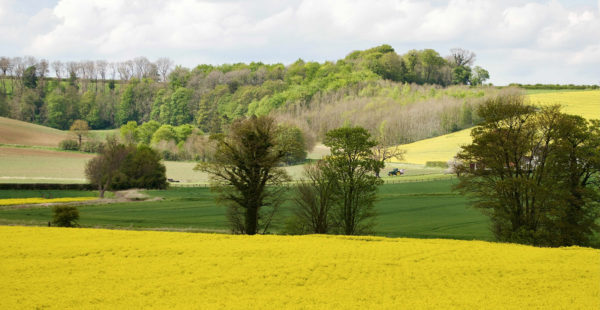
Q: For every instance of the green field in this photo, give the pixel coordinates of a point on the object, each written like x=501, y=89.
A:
x=422, y=209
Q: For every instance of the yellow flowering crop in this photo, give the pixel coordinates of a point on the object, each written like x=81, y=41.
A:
x=27, y=201
x=445, y=147
x=583, y=103
x=60, y=268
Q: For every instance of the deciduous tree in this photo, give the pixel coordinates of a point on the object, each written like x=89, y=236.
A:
x=531, y=171
x=80, y=128
x=352, y=167
x=245, y=173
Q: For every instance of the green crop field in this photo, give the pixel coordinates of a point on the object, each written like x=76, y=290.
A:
x=423, y=209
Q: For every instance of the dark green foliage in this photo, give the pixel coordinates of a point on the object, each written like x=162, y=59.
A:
x=104, y=168
x=69, y=145
x=65, y=216
x=122, y=167
x=461, y=75
x=141, y=168
x=30, y=78
x=245, y=174
x=290, y=141
x=532, y=171
x=126, y=109
x=351, y=168
x=58, y=115
x=92, y=146
x=3, y=105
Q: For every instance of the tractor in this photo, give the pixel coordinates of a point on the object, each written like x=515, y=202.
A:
x=395, y=172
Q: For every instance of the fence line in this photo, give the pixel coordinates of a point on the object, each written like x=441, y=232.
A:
x=296, y=182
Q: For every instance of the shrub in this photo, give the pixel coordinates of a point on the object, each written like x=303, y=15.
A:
x=92, y=146
x=69, y=145
x=65, y=216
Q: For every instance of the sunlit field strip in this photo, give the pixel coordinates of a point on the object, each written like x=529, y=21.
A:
x=443, y=148
x=61, y=268
x=26, y=201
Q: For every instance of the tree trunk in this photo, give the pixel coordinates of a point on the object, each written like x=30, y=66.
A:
x=251, y=220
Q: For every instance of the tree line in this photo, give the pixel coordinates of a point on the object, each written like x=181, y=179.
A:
x=109, y=95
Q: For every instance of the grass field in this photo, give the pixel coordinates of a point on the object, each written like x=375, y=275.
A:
x=424, y=209
x=62, y=268
x=443, y=148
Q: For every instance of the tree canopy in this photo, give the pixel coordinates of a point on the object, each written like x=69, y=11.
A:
x=532, y=170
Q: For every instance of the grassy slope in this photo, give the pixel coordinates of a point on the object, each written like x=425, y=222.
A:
x=427, y=209
x=443, y=148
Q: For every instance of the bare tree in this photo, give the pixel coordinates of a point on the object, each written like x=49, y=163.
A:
x=58, y=68
x=143, y=67
x=113, y=69
x=18, y=69
x=73, y=68
x=42, y=69
x=164, y=66
x=101, y=66
x=462, y=57
x=5, y=67
x=29, y=61
x=125, y=70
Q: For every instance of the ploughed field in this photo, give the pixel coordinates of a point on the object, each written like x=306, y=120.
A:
x=61, y=268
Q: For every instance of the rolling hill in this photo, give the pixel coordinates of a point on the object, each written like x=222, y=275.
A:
x=22, y=133
x=443, y=148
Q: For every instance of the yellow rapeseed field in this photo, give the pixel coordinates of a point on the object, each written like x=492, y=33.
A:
x=443, y=148
x=62, y=268
x=584, y=103
x=27, y=201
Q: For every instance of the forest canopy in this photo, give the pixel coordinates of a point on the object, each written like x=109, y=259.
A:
x=109, y=95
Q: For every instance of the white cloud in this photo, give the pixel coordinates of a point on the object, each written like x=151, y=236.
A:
x=549, y=39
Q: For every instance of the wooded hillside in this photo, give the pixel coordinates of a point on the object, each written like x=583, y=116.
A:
x=108, y=95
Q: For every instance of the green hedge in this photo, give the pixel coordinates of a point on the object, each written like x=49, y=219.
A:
x=47, y=186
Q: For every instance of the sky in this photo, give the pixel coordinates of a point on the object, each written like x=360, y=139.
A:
x=516, y=41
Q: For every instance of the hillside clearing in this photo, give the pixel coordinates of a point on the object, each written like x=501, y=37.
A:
x=166, y=270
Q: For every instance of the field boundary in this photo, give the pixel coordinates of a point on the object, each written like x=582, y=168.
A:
x=296, y=182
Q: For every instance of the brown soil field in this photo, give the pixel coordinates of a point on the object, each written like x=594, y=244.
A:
x=15, y=151
x=23, y=133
